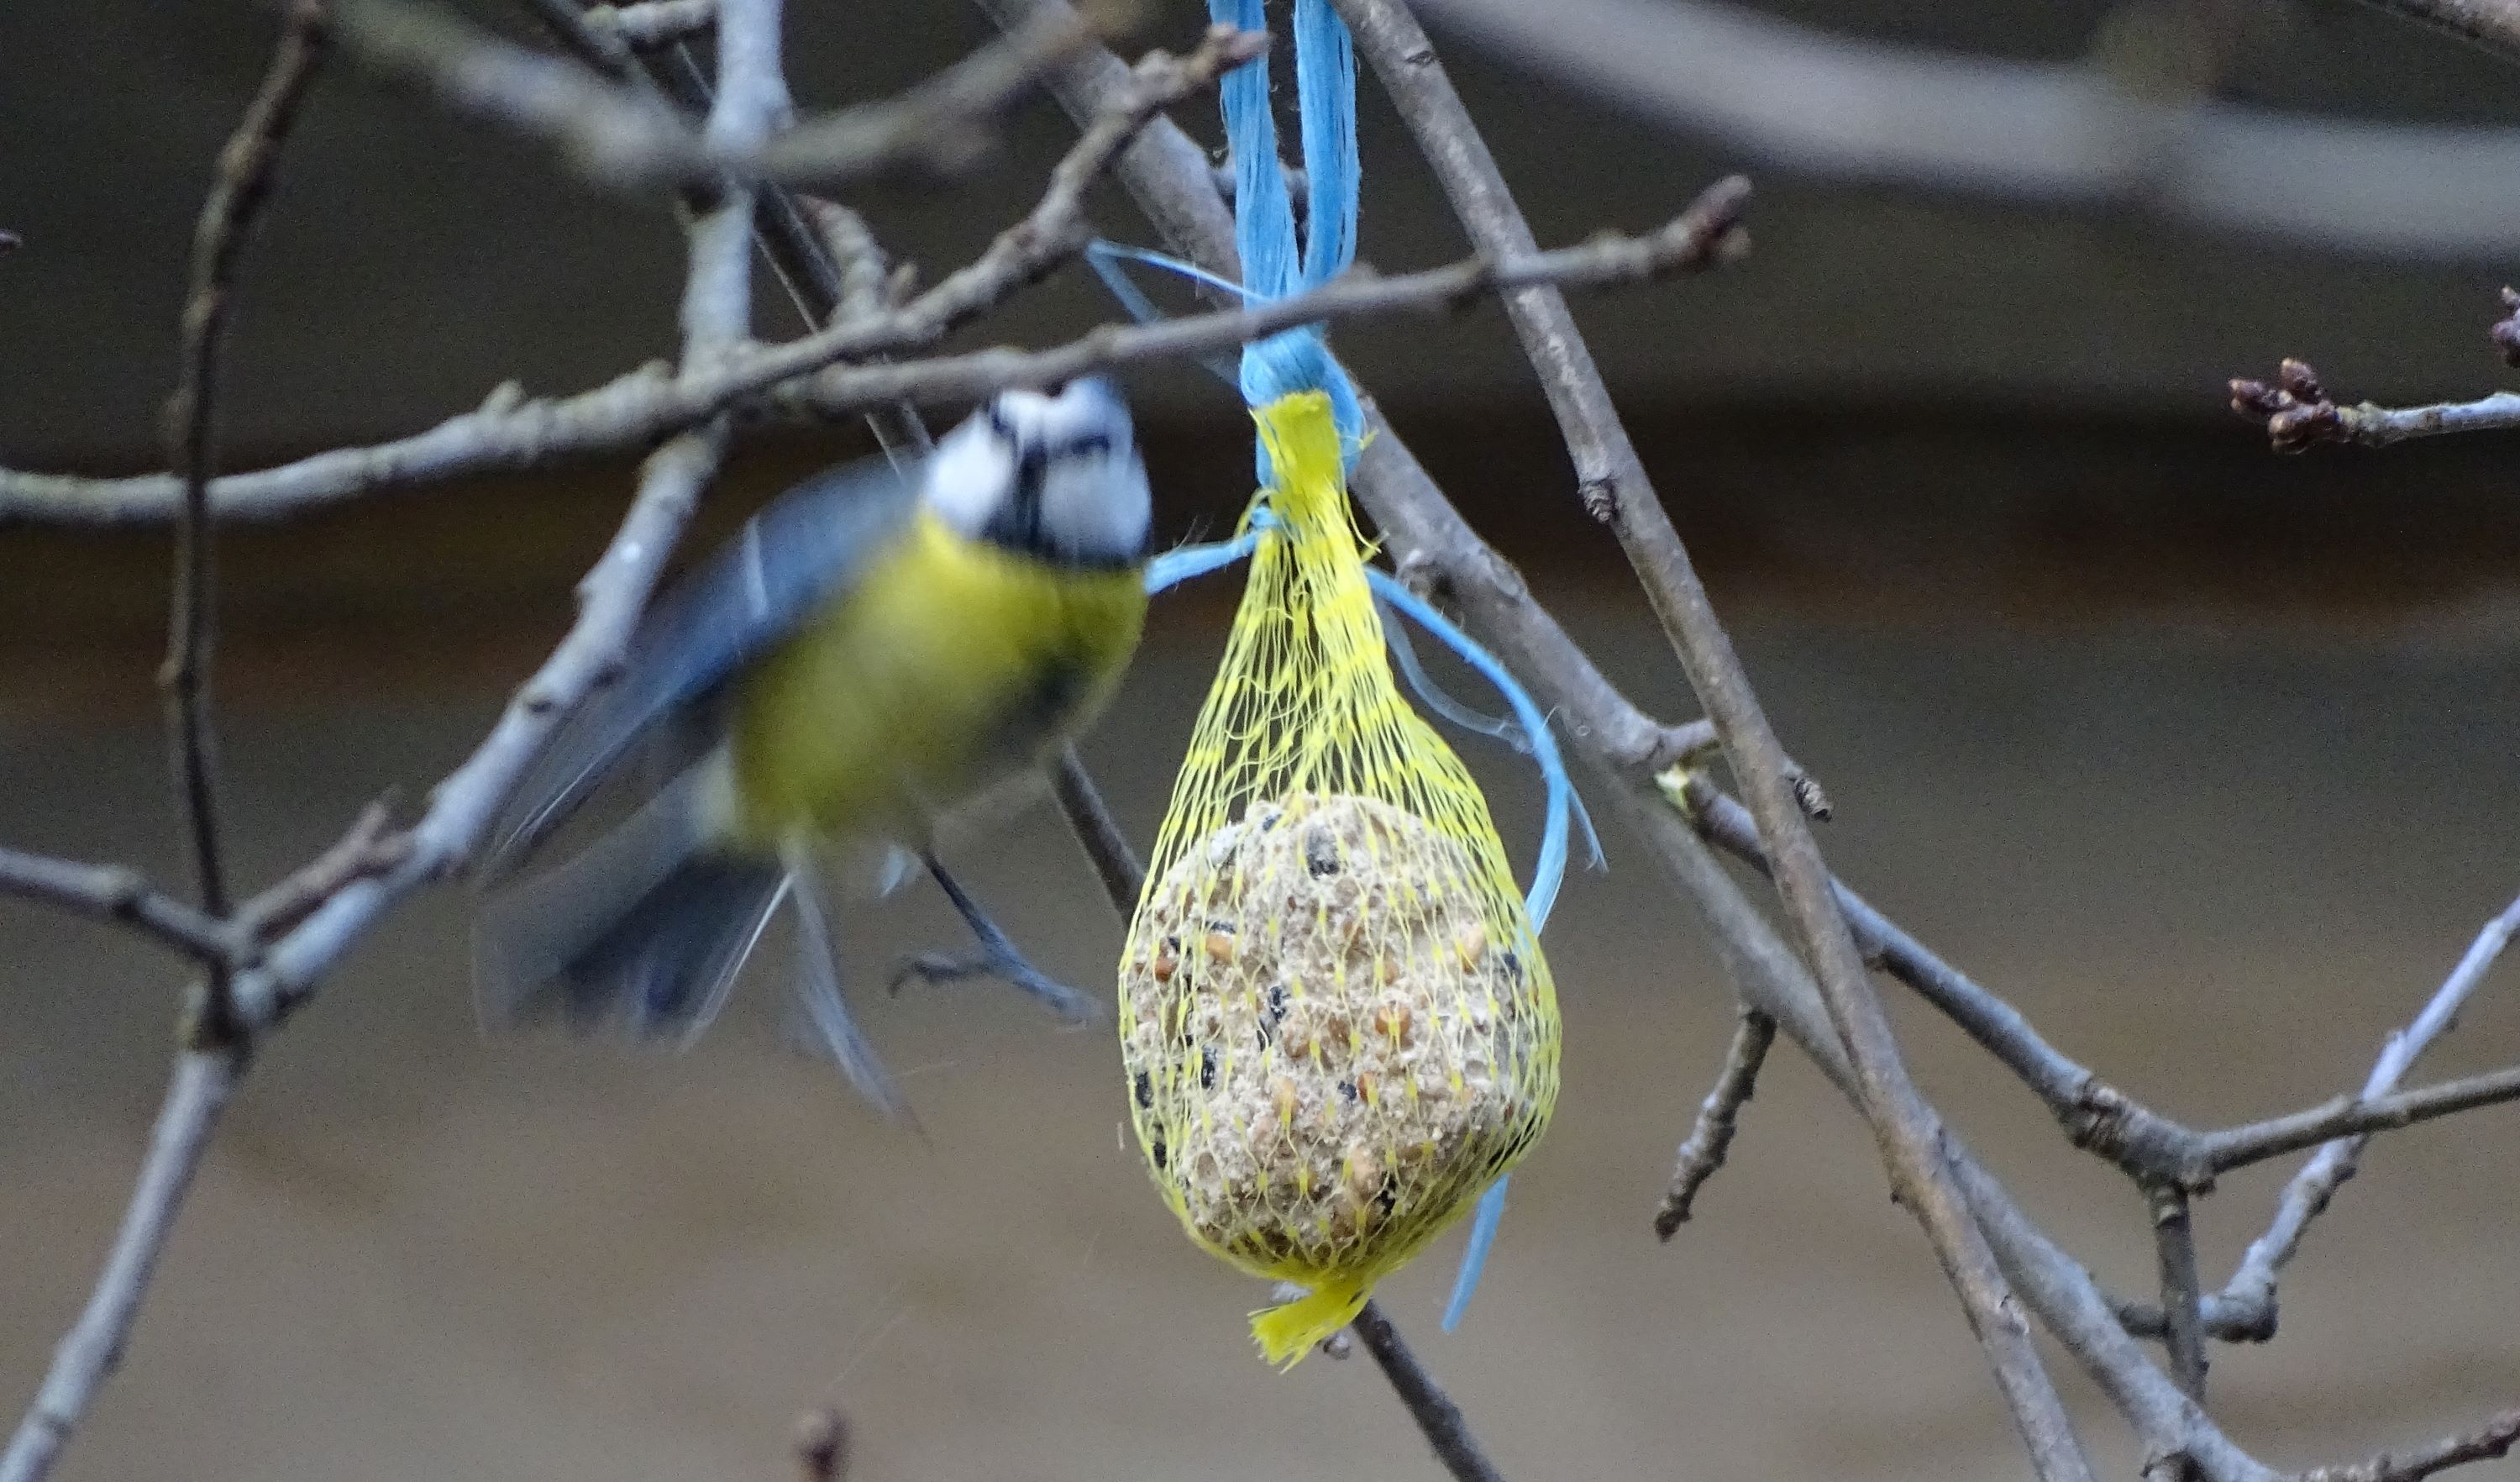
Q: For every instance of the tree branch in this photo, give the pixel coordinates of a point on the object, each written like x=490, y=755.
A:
x=124, y=897
x=617, y=137
x=92, y=1350
x=2045, y=134
x=371, y=846
x=1771, y=975
x=651, y=24
x=2298, y=414
x=1115, y=864
x=2352, y=1119
x=2493, y=25
x=2149, y=1147
x=506, y=434
x=2174, y=1240
x=1613, y=485
x=814, y=274
x=1445, y=1428
x=2487, y=1441
x=635, y=410
x=1710, y=1138
x=235, y=199
x=2253, y=1285
x=595, y=125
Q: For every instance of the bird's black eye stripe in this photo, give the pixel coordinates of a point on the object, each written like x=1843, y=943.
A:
x=1022, y=518
x=998, y=423
x=1096, y=443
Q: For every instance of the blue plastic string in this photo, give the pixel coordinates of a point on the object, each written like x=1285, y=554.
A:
x=1550, y=868
x=1546, y=874
x=1182, y=562
x=1104, y=257
x=1474, y=1255
x=1264, y=215
x=1443, y=703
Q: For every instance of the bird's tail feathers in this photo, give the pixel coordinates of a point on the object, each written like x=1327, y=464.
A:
x=644, y=932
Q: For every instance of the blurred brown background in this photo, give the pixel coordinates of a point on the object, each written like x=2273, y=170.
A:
x=2204, y=756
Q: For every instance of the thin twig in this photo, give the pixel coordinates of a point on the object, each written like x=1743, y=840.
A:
x=857, y=259
x=2298, y=414
x=1710, y=1138
x=2217, y=1317
x=799, y=255
x=1705, y=234
x=2253, y=1284
x=618, y=137
x=123, y=896
x=371, y=846
x=653, y=23
x=2352, y=1120
x=507, y=433
x=595, y=125
x=206, y=1073
x=1115, y=864
x=939, y=128
x=2487, y=1441
x=1767, y=972
x=2173, y=1241
x=91, y=1351
x=2151, y=1148
x=1435, y=1412
x=237, y=197
x=2493, y=25
x=1613, y=482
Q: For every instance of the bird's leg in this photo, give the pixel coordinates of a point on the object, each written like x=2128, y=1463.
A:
x=997, y=956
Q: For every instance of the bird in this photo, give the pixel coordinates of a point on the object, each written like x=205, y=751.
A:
x=885, y=654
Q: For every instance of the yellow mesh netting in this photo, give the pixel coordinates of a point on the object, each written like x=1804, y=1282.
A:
x=1335, y=1019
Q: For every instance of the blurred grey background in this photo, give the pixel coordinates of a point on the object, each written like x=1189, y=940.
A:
x=2204, y=756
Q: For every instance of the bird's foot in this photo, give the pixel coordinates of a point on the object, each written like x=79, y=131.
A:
x=998, y=960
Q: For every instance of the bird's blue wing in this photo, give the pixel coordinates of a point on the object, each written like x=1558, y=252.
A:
x=806, y=545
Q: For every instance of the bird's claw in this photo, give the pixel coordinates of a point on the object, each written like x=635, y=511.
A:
x=1071, y=1007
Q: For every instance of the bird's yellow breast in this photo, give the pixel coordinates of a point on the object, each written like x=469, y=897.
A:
x=949, y=666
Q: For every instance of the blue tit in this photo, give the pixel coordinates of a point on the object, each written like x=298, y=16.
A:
x=880, y=654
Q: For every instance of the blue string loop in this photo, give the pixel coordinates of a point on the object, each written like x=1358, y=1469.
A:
x=1264, y=214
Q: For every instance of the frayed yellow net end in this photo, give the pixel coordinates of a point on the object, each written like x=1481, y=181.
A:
x=1291, y=1329
x=1335, y=1018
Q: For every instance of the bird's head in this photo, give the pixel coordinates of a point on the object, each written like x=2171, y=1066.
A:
x=1053, y=477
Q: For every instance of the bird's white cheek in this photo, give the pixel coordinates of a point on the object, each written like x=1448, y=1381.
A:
x=1097, y=510
x=968, y=480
